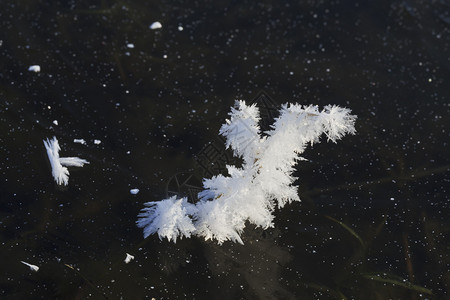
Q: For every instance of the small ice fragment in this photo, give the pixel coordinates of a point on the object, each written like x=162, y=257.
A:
x=180, y=28
x=34, y=68
x=131, y=46
x=97, y=142
x=129, y=258
x=55, y=122
x=155, y=25
x=134, y=191
x=32, y=267
x=79, y=141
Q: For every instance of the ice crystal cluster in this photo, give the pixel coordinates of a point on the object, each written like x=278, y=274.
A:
x=264, y=182
x=59, y=171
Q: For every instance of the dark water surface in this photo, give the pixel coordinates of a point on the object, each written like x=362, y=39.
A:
x=374, y=222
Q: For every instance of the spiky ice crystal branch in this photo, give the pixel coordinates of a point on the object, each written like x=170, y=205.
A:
x=59, y=172
x=264, y=182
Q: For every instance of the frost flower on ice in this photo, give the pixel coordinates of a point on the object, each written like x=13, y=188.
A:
x=59, y=164
x=168, y=217
x=264, y=182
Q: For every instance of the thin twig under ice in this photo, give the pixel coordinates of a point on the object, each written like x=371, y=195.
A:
x=59, y=172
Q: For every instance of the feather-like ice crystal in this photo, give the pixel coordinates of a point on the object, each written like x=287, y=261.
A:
x=264, y=181
x=59, y=171
x=169, y=217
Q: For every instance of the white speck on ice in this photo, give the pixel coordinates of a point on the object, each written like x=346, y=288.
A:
x=55, y=122
x=155, y=25
x=97, y=142
x=134, y=191
x=131, y=46
x=34, y=68
x=79, y=141
x=180, y=28
x=32, y=267
x=129, y=258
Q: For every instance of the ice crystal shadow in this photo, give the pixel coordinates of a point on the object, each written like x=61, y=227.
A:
x=264, y=182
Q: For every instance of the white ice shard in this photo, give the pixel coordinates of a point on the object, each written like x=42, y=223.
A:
x=59, y=172
x=155, y=25
x=32, y=267
x=79, y=141
x=34, y=68
x=134, y=191
x=128, y=258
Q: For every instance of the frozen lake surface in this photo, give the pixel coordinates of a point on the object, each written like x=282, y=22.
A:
x=140, y=89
